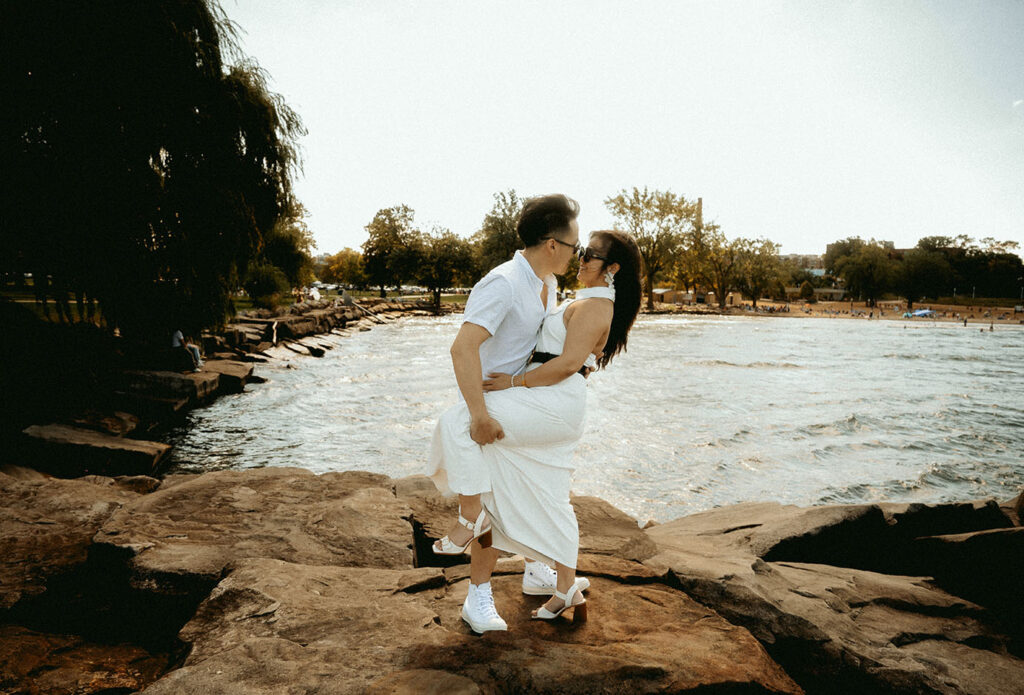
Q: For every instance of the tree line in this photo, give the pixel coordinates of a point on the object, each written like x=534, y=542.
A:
x=149, y=169
x=938, y=266
x=680, y=250
x=676, y=246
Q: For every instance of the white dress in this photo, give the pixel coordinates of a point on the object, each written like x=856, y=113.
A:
x=525, y=477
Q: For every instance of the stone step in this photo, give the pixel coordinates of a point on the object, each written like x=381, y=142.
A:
x=152, y=410
x=234, y=374
x=195, y=386
x=116, y=423
x=71, y=452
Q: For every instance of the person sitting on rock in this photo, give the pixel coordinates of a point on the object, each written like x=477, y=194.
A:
x=179, y=342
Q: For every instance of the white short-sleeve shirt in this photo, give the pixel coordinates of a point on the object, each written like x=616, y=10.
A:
x=506, y=303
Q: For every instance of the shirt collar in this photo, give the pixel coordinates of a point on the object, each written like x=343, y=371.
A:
x=525, y=267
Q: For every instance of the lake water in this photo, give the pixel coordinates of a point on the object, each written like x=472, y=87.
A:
x=700, y=412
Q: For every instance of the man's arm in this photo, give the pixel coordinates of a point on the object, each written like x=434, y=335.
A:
x=584, y=330
x=465, y=353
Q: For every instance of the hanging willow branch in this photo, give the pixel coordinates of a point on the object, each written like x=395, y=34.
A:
x=143, y=172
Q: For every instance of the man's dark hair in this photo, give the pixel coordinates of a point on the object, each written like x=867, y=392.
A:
x=545, y=216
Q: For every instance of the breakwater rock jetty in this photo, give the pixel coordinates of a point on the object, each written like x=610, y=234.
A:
x=114, y=423
x=276, y=580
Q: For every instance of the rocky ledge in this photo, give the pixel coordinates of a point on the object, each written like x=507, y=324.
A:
x=114, y=434
x=277, y=580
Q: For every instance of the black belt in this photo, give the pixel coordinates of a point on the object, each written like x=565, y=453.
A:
x=542, y=357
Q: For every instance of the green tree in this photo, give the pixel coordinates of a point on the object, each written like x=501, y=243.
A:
x=658, y=221
x=921, y=273
x=392, y=253
x=720, y=260
x=497, y=240
x=345, y=268
x=868, y=271
x=142, y=171
x=447, y=261
x=289, y=246
x=760, y=268
x=807, y=290
x=267, y=285
x=841, y=249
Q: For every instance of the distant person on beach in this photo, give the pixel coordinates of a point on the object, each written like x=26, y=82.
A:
x=541, y=411
x=180, y=343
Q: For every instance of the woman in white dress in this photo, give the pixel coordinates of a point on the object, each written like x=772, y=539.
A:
x=541, y=412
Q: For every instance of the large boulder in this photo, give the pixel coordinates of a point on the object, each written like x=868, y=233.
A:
x=74, y=451
x=233, y=373
x=47, y=525
x=180, y=538
x=984, y=566
x=195, y=386
x=272, y=627
x=606, y=530
x=841, y=629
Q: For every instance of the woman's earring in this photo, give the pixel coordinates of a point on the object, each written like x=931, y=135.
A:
x=609, y=277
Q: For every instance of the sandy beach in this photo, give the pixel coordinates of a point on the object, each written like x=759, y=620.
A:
x=983, y=316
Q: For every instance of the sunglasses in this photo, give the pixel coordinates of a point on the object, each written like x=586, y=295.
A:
x=586, y=255
x=575, y=247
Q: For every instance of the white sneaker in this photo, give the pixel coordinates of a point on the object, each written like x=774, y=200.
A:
x=478, y=609
x=540, y=580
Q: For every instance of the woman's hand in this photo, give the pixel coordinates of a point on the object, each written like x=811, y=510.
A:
x=497, y=381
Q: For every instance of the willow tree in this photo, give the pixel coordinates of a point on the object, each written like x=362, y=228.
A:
x=143, y=171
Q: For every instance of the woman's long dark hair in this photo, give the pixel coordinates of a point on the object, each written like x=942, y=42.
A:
x=620, y=248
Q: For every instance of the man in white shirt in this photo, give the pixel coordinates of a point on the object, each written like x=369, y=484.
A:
x=499, y=331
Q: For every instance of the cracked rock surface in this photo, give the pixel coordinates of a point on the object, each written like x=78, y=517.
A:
x=840, y=628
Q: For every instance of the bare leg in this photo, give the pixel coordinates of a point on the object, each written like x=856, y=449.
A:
x=469, y=507
x=481, y=563
x=566, y=578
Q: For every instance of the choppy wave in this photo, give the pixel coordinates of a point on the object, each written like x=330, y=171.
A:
x=748, y=365
x=699, y=412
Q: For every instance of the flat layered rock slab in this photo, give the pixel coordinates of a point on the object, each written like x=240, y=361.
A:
x=73, y=451
x=836, y=629
x=47, y=525
x=116, y=423
x=195, y=386
x=183, y=536
x=233, y=373
x=272, y=626
x=604, y=530
x=607, y=530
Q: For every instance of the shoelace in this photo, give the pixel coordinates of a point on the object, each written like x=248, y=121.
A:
x=485, y=602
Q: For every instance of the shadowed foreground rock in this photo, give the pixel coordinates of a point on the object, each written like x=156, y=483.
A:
x=272, y=627
x=47, y=525
x=181, y=538
x=842, y=629
x=277, y=580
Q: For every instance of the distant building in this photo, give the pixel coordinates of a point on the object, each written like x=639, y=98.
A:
x=806, y=261
x=669, y=296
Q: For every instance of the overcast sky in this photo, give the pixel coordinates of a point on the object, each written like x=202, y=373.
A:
x=802, y=122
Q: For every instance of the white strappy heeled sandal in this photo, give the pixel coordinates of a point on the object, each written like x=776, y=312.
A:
x=579, y=612
x=445, y=546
